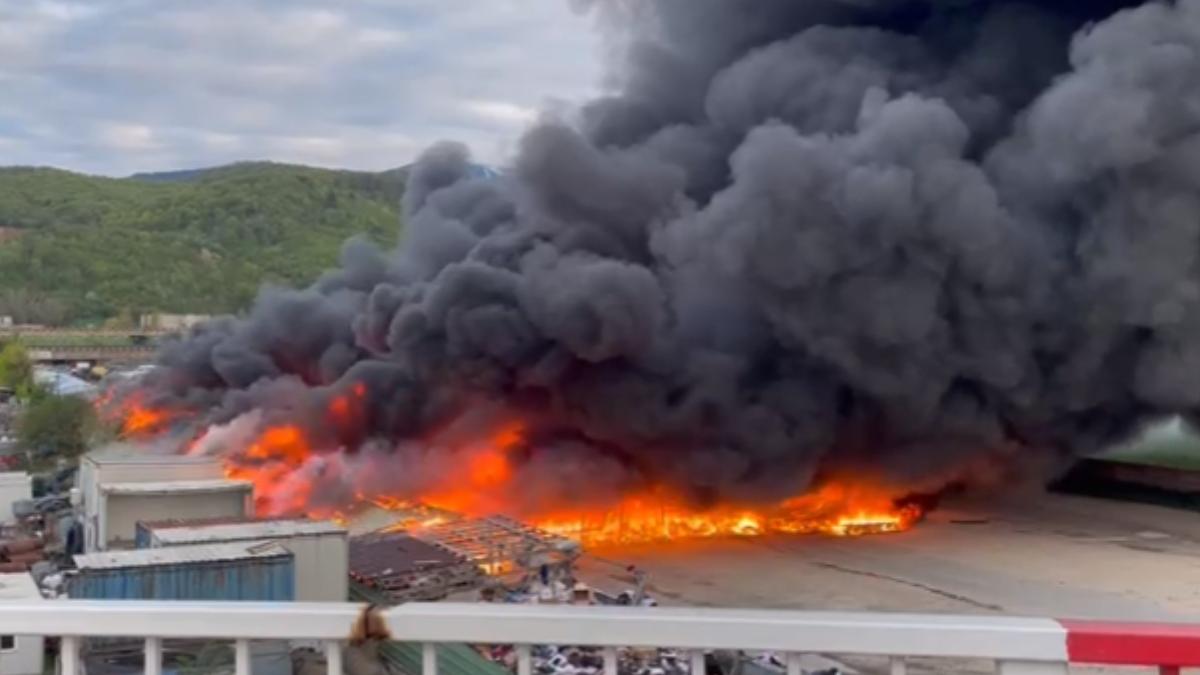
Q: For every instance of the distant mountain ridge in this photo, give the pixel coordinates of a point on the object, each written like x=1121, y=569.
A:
x=181, y=175
x=187, y=175
x=188, y=241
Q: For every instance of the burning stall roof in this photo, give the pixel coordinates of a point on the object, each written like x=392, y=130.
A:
x=499, y=543
x=405, y=569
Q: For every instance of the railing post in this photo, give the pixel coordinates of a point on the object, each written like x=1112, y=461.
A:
x=899, y=667
x=68, y=655
x=333, y=657
x=697, y=658
x=1030, y=668
x=428, y=659
x=793, y=664
x=152, y=657
x=524, y=660
x=241, y=657
x=610, y=661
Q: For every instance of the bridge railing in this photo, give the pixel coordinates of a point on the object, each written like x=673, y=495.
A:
x=1018, y=646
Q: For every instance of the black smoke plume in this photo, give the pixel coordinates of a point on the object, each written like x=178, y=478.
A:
x=797, y=237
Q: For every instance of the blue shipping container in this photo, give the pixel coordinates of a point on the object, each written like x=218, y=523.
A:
x=244, y=571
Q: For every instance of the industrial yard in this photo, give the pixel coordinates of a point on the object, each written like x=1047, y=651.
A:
x=1037, y=555
x=1032, y=553
x=153, y=527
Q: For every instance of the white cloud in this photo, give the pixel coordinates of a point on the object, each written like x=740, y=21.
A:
x=127, y=137
x=501, y=111
x=116, y=86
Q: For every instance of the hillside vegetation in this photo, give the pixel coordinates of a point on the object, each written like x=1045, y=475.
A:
x=79, y=248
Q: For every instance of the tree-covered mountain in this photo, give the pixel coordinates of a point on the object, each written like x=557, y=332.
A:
x=87, y=248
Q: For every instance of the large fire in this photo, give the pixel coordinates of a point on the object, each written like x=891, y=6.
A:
x=833, y=509
x=133, y=417
x=279, y=461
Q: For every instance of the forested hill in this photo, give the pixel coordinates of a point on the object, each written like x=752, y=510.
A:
x=84, y=248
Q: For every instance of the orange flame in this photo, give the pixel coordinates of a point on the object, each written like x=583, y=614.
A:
x=834, y=509
x=133, y=417
x=143, y=420
x=282, y=465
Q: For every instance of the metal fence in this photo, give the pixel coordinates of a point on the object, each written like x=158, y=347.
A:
x=1018, y=646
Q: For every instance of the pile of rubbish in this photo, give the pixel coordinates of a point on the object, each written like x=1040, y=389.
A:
x=34, y=555
x=20, y=555
x=555, y=660
x=47, y=533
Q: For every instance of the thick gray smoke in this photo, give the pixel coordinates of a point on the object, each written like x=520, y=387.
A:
x=799, y=237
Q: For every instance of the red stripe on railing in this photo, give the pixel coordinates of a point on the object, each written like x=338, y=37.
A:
x=1133, y=644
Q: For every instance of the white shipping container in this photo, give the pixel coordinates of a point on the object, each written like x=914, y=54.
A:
x=14, y=487
x=127, y=464
x=123, y=505
x=20, y=654
x=321, y=549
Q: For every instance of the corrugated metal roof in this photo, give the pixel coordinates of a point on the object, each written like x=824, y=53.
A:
x=380, y=555
x=176, y=555
x=261, y=529
x=122, y=453
x=168, y=523
x=176, y=486
x=18, y=586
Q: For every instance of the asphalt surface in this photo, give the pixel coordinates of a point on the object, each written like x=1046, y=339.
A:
x=1029, y=554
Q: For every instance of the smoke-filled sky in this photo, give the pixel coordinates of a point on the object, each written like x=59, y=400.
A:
x=883, y=236
x=117, y=86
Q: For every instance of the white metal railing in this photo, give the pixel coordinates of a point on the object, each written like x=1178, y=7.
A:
x=1019, y=646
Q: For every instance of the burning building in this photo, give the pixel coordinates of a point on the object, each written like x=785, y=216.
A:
x=802, y=258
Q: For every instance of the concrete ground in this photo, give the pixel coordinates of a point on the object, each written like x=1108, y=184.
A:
x=1033, y=554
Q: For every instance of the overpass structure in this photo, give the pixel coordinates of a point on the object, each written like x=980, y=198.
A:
x=1017, y=646
x=49, y=345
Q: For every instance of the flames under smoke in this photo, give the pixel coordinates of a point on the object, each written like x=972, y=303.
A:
x=800, y=245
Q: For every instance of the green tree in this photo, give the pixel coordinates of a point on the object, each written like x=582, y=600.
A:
x=16, y=370
x=78, y=249
x=56, y=425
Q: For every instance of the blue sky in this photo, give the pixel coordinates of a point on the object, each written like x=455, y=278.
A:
x=118, y=86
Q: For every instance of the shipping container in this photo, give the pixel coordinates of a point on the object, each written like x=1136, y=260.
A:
x=123, y=464
x=321, y=548
x=123, y=505
x=251, y=571
x=23, y=654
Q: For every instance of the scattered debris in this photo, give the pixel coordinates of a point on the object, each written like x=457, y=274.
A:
x=20, y=555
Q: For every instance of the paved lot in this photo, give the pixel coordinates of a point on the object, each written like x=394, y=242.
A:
x=1034, y=554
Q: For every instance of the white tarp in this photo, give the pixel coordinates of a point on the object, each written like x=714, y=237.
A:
x=62, y=384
